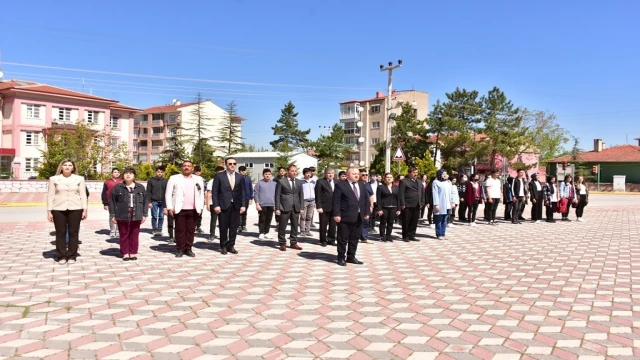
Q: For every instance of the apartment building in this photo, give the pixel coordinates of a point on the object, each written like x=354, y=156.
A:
x=154, y=127
x=29, y=109
x=365, y=124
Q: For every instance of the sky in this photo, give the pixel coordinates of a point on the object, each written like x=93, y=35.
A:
x=576, y=59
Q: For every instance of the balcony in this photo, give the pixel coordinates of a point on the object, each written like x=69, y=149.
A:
x=144, y=122
x=143, y=148
x=143, y=135
x=172, y=121
x=157, y=135
x=156, y=122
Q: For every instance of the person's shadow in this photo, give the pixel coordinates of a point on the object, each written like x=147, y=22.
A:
x=49, y=254
x=330, y=258
x=114, y=252
x=213, y=246
x=164, y=248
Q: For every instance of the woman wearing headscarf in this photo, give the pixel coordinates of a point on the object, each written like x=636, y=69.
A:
x=442, y=202
x=473, y=198
x=462, y=188
x=507, y=198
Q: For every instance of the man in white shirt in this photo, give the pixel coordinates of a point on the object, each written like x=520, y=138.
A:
x=520, y=192
x=185, y=200
x=209, y=206
x=493, y=193
x=308, y=191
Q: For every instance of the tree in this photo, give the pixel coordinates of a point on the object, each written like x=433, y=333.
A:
x=579, y=167
x=290, y=137
x=198, y=130
x=229, y=133
x=409, y=132
x=144, y=171
x=253, y=148
x=175, y=152
x=171, y=169
x=547, y=137
x=331, y=149
x=209, y=159
x=79, y=143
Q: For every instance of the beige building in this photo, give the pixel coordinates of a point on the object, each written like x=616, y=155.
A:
x=156, y=125
x=370, y=114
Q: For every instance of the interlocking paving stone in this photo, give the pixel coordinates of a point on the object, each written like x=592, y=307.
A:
x=531, y=291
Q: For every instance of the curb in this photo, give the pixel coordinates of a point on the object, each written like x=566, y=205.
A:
x=37, y=204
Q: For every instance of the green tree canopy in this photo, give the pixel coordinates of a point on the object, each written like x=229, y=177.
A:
x=331, y=149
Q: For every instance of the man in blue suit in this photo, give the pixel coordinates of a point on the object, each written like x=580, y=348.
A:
x=351, y=209
x=229, y=201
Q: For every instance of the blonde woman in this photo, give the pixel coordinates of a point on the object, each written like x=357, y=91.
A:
x=66, y=207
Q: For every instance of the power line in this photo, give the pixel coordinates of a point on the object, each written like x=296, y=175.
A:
x=183, y=79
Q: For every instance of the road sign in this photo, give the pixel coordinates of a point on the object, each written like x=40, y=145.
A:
x=399, y=155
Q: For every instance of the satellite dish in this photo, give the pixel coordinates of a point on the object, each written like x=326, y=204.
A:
x=1, y=74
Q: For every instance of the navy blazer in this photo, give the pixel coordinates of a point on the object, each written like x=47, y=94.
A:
x=346, y=204
x=221, y=193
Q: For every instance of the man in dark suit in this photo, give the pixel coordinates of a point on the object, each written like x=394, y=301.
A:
x=324, y=205
x=229, y=201
x=289, y=202
x=520, y=192
x=351, y=208
x=410, y=199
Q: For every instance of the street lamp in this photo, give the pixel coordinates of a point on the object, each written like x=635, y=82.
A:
x=361, y=139
x=387, y=150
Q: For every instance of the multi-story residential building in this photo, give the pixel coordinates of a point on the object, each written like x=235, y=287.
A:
x=28, y=109
x=370, y=114
x=156, y=125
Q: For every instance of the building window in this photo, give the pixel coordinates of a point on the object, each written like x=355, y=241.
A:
x=171, y=132
x=155, y=157
x=172, y=119
x=33, y=111
x=269, y=166
x=157, y=131
x=113, y=165
x=350, y=128
x=354, y=157
x=114, y=142
x=157, y=117
x=64, y=114
x=114, y=122
x=375, y=125
x=415, y=113
x=373, y=156
x=351, y=141
x=375, y=109
x=31, y=164
x=92, y=117
x=32, y=138
x=375, y=141
x=248, y=165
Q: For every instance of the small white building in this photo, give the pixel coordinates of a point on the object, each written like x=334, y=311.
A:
x=257, y=161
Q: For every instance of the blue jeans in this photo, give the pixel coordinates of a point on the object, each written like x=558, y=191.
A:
x=441, y=224
x=157, y=217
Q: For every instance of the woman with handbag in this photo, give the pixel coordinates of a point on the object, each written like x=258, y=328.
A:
x=582, y=194
x=567, y=197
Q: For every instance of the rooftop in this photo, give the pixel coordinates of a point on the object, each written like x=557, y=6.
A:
x=263, y=154
x=24, y=86
x=379, y=96
x=620, y=153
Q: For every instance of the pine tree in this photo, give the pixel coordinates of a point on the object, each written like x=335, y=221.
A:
x=174, y=153
x=331, y=149
x=290, y=137
x=198, y=129
x=229, y=139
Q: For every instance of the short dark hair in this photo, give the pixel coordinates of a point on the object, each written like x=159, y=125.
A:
x=187, y=161
x=281, y=168
x=219, y=168
x=412, y=169
x=306, y=170
x=342, y=172
x=266, y=170
x=130, y=170
x=312, y=168
x=159, y=168
x=495, y=171
x=290, y=166
x=114, y=169
x=229, y=158
x=197, y=168
x=242, y=168
x=519, y=170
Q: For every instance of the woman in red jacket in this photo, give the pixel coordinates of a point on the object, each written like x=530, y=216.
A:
x=473, y=198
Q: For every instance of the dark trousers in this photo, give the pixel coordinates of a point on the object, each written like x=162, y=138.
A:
x=551, y=208
x=198, y=221
x=387, y=219
x=243, y=220
x=185, y=228
x=471, y=212
x=327, y=227
x=422, y=210
x=63, y=220
x=518, y=206
x=170, y=222
x=212, y=221
x=372, y=217
x=410, y=221
x=452, y=215
x=536, y=209
x=462, y=211
x=348, y=238
x=430, y=214
x=129, y=235
x=582, y=202
x=493, y=209
x=566, y=213
x=264, y=219
x=229, y=222
x=285, y=217
x=508, y=208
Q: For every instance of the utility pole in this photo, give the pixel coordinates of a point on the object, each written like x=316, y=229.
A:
x=387, y=148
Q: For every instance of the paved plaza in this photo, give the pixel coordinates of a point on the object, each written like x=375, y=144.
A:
x=531, y=291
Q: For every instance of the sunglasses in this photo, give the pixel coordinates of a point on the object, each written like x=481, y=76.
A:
x=231, y=163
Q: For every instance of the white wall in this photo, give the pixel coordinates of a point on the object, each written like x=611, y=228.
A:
x=216, y=116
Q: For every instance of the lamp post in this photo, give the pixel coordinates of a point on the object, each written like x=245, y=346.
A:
x=361, y=139
x=387, y=148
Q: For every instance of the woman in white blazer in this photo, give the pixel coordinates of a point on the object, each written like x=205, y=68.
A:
x=66, y=207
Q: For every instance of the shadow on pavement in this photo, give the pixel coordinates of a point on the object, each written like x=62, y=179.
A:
x=330, y=258
x=213, y=246
x=103, y=232
x=115, y=252
x=164, y=248
x=49, y=254
x=266, y=243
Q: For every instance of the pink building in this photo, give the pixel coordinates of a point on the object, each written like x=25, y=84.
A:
x=28, y=109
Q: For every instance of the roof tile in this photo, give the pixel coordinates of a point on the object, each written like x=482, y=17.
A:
x=620, y=153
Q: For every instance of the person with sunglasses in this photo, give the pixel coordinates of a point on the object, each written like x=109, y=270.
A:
x=229, y=200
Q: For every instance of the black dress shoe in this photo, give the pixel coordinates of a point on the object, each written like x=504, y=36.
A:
x=126, y=258
x=179, y=254
x=189, y=253
x=405, y=240
x=323, y=243
x=133, y=258
x=354, y=261
x=223, y=251
x=413, y=239
x=232, y=250
x=341, y=262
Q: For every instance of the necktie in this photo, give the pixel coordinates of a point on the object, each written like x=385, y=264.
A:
x=293, y=184
x=232, y=180
x=355, y=190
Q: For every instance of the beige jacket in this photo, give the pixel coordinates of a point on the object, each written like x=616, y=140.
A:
x=66, y=193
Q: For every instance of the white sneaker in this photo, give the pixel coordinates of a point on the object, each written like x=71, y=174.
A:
x=261, y=237
x=580, y=219
x=452, y=225
x=267, y=236
x=112, y=234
